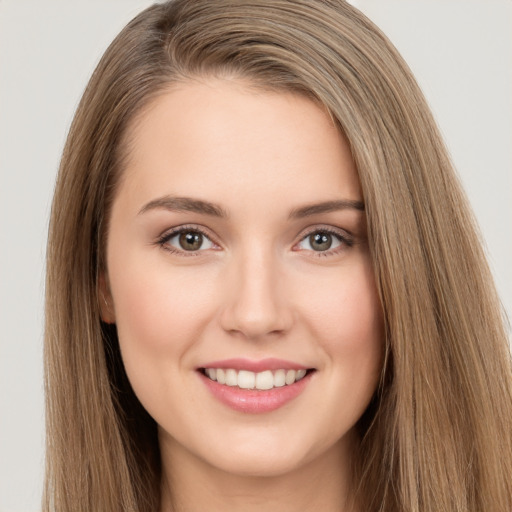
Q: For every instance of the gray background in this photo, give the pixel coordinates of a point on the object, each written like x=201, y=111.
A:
x=460, y=51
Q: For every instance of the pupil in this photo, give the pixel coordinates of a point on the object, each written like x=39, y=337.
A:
x=320, y=241
x=191, y=241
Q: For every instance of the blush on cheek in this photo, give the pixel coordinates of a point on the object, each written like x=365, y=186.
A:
x=350, y=326
x=156, y=310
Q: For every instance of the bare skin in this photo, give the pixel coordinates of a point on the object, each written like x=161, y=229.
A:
x=316, y=486
x=238, y=233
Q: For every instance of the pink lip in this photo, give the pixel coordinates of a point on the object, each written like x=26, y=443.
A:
x=252, y=400
x=255, y=366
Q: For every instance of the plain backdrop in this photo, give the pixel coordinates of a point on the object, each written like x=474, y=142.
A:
x=460, y=51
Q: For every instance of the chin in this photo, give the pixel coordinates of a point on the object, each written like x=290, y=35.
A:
x=273, y=456
x=259, y=464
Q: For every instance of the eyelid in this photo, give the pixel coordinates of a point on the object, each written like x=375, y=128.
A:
x=344, y=236
x=172, y=232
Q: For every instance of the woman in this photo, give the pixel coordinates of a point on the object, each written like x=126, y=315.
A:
x=264, y=288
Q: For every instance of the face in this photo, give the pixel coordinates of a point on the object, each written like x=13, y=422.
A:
x=239, y=277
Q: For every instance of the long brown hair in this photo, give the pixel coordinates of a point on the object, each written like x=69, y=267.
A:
x=438, y=433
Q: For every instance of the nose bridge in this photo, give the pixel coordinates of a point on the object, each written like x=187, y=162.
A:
x=256, y=303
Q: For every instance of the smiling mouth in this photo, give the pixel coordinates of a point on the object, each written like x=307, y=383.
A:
x=262, y=381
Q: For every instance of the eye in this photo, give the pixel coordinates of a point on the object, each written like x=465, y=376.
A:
x=323, y=240
x=186, y=240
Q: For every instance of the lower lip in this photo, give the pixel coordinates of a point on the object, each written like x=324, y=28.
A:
x=254, y=401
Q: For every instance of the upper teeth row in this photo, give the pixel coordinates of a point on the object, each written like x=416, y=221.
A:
x=249, y=380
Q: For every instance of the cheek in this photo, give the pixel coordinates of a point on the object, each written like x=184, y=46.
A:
x=157, y=307
x=346, y=317
x=160, y=314
x=354, y=344
x=348, y=308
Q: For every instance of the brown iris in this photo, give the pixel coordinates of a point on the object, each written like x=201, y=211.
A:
x=191, y=241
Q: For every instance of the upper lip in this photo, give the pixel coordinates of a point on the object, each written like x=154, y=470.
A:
x=255, y=366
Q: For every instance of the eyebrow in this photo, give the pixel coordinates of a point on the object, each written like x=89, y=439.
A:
x=188, y=204
x=184, y=204
x=326, y=207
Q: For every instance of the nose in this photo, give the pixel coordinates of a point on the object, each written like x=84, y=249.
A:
x=256, y=304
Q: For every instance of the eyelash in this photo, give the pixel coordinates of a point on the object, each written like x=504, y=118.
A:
x=345, y=239
x=164, y=239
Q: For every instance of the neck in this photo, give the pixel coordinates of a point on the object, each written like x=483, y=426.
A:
x=192, y=485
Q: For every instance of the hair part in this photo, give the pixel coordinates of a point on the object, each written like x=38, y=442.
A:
x=437, y=433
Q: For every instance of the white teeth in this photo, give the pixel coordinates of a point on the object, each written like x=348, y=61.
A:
x=250, y=380
x=221, y=376
x=290, y=377
x=246, y=380
x=279, y=378
x=264, y=380
x=231, y=378
x=300, y=374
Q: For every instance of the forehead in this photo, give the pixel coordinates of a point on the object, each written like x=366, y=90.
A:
x=224, y=140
